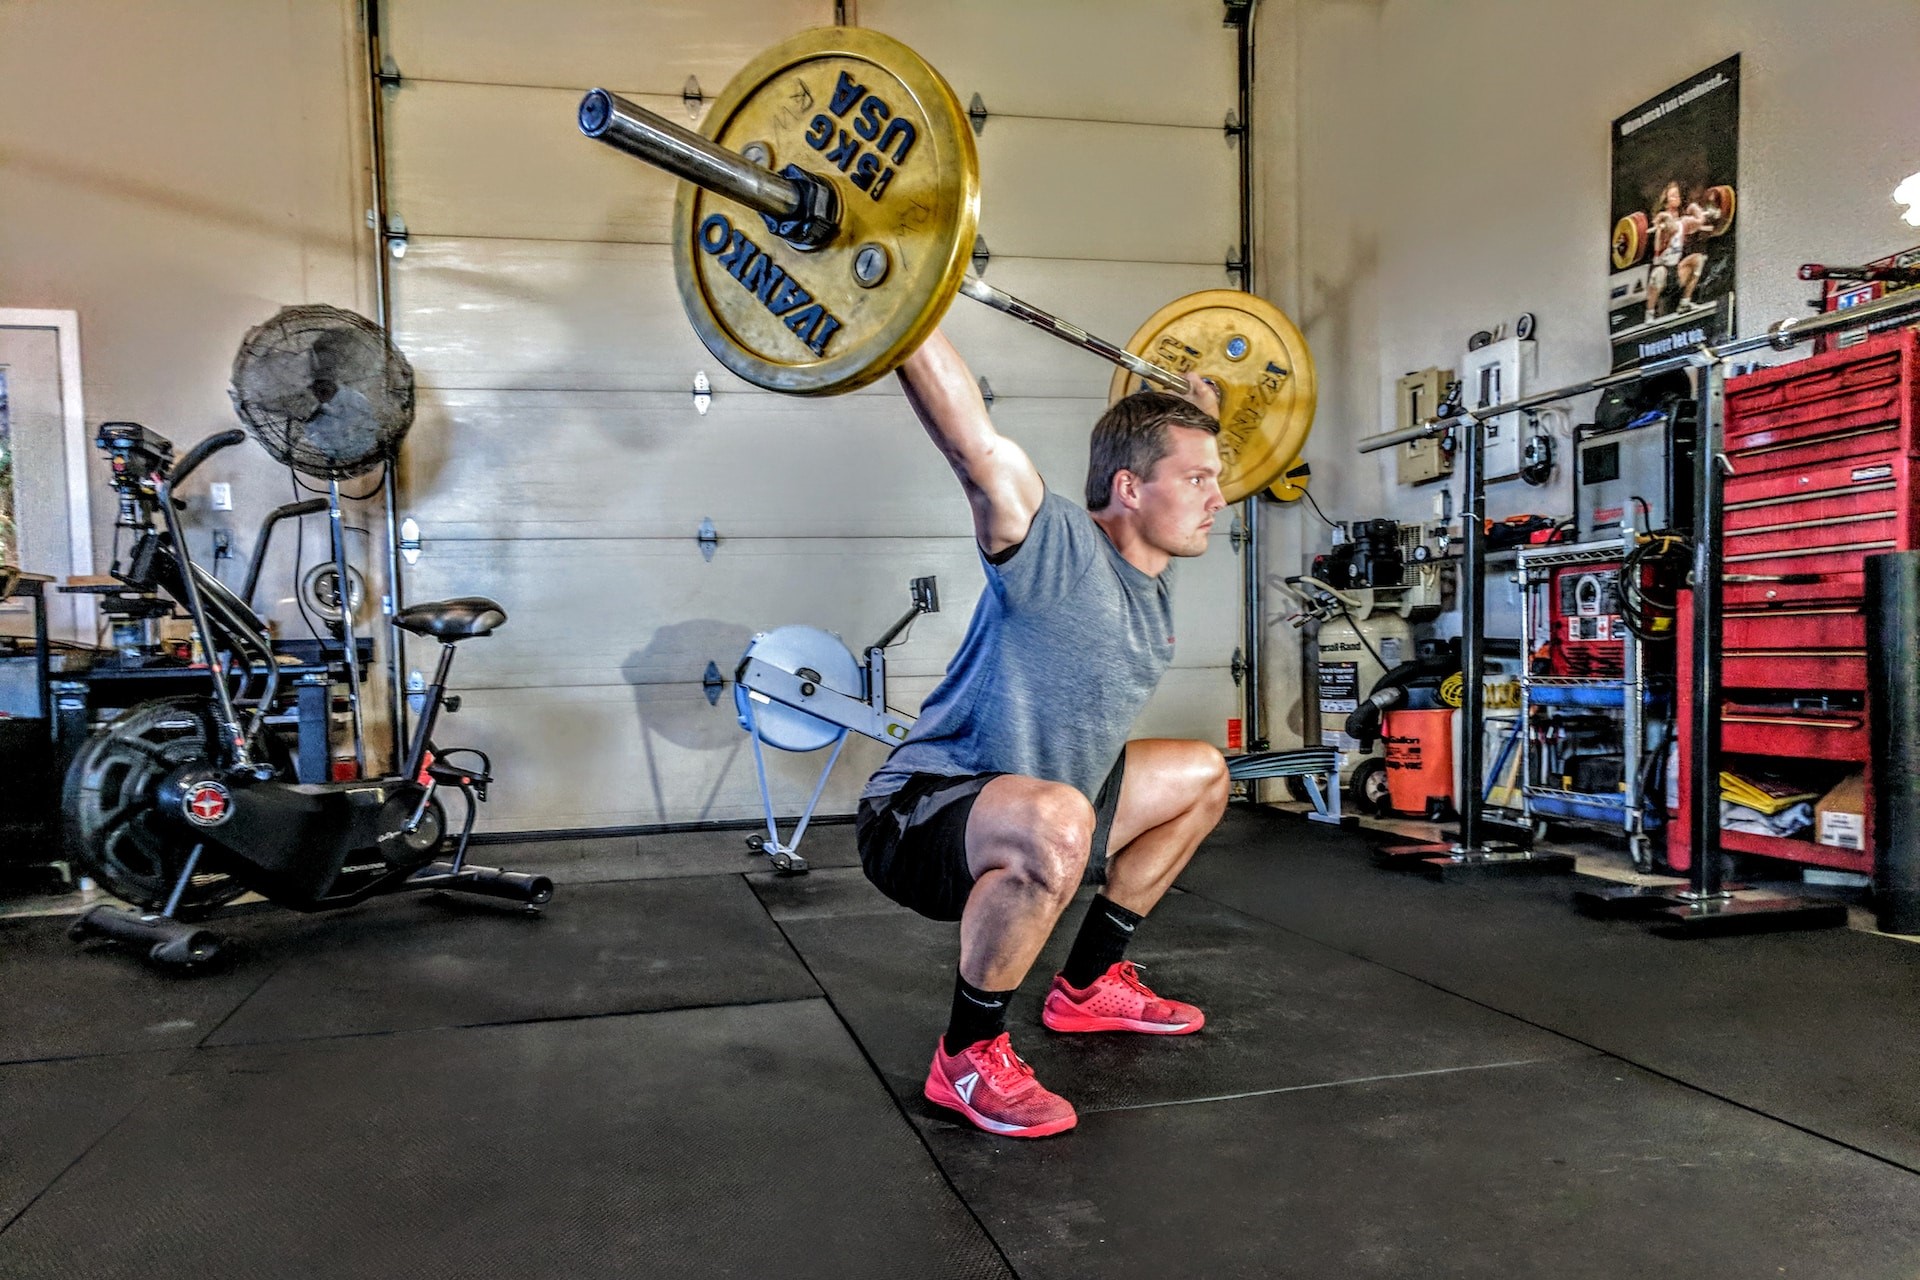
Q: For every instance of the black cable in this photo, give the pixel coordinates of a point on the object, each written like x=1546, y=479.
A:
x=345, y=497
x=1308, y=495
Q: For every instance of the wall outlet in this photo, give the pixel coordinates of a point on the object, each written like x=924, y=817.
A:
x=220, y=495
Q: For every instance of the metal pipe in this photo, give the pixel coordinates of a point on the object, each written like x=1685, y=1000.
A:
x=1784, y=335
x=629, y=127
x=1703, y=827
x=1473, y=625
x=980, y=291
x=1251, y=564
x=383, y=312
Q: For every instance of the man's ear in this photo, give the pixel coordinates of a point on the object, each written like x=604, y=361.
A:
x=1126, y=488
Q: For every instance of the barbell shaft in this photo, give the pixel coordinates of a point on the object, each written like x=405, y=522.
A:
x=980, y=291
x=629, y=127
x=646, y=135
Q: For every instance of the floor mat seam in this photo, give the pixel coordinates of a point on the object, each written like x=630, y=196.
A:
x=1671, y=1078
x=899, y=1106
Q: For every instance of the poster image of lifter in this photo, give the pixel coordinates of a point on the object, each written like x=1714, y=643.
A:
x=1675, y=198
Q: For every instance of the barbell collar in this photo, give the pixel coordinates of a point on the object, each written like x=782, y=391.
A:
x=799, y=208
x=980, y=291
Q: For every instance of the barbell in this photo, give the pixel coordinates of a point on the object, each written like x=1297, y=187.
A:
x=826, y=221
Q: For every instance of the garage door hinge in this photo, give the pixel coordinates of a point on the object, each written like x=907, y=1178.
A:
x=691, y=95
x=977, y=112
x=1237, y=534
x=410, y=540
x=702, y=392
x=1239, y=667
x=1237, y=266
x=981, y=255
x=1234, y=128
x=708, y=537
x=712, y=682
x=389, y=76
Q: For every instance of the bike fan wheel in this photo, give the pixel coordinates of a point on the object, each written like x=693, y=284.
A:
x=113, y=827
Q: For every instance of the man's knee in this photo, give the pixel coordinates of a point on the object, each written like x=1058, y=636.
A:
x=1049, y=829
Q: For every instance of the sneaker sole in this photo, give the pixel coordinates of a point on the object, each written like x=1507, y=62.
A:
x=941, y=1094
x=1071, y=1022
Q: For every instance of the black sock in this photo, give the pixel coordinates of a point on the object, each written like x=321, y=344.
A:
x=1102, y=940
x=977, y=1015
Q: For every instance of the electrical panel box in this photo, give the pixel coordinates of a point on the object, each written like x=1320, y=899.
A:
x=1416, y=397
x=1496, y=373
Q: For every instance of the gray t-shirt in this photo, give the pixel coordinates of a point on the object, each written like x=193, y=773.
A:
x=1065, y=647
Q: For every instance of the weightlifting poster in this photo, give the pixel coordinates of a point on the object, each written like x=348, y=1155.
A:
x=1675, y=196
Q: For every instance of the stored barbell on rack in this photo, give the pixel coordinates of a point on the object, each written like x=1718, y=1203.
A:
x=826, y=221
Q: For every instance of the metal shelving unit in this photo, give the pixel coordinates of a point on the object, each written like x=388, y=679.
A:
x=1630, y=695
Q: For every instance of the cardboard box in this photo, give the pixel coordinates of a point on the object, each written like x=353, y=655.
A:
x=1839, y=819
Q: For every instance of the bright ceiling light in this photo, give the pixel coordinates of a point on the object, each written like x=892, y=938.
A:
x=1908, y=194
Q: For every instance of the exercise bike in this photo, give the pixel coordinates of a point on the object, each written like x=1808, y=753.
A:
x=181, y=804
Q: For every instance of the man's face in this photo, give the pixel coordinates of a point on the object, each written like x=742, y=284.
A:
x=1178, y=501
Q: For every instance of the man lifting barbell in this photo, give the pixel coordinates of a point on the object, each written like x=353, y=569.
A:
x=1018, y=780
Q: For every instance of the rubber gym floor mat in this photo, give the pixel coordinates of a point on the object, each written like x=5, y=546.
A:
x=412, y=962
x=663, y=854
x=60, y=999
x=1576, y=1170
x=1814, y=1028
x=54, y=1111
x=750, y=1141
x=1280, y=1011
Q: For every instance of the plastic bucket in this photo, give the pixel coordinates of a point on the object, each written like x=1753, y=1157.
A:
x=1419, y=759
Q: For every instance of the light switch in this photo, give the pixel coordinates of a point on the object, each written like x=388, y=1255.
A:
x=220, y=494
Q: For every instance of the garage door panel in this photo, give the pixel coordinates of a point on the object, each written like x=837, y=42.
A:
x=653, y=46
x=1192, y=702
x=492, y=160
x=573, y=464
x=545, y=464
x=585, y=758
x=607, y=317
x=1170, y=63
x=652, y=612
x=530, y=313
x=1050, y=189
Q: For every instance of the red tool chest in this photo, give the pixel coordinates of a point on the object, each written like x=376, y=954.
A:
x=1823, y=456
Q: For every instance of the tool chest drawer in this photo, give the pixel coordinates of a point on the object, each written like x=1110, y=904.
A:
x=1795, y=591
x=1769, y=555
x=1832, y=628
x=1803, y=735
x=1843, y=404
x=1818, y=493
x=1827, y=670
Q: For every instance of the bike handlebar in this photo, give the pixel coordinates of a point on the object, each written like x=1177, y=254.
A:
x=204, y=450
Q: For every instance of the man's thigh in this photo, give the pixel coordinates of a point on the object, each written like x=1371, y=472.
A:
x=1165, y=777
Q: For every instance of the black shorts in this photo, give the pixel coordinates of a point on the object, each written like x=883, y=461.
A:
x=913, y=843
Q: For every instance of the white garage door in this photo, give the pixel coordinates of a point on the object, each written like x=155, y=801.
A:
x=559, y=465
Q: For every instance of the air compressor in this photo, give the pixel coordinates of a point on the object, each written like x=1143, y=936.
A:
x=1361, y=634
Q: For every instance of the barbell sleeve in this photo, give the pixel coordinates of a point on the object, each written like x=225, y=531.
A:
x=629, y=127
x=980, y=291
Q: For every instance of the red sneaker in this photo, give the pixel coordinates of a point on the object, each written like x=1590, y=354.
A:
x=989, y=1085
x=1117, y=1001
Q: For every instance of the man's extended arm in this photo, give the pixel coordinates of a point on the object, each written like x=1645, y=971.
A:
x=1002, y=485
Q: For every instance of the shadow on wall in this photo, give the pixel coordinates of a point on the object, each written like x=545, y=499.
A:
x=198, y=208
x=686, y=723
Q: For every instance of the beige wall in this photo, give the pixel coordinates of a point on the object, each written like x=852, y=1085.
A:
x=1452, y=170
x=176, y=172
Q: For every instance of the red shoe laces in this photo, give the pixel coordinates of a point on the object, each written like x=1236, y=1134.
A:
x=1002, y=1066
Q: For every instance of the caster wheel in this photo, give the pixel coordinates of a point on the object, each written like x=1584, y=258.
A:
x=1369, y=787
x=756, y=844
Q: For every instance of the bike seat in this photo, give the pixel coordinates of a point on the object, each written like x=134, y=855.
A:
x=451, y=620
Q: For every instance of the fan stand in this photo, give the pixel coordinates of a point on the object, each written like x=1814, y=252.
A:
x=344, y=584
